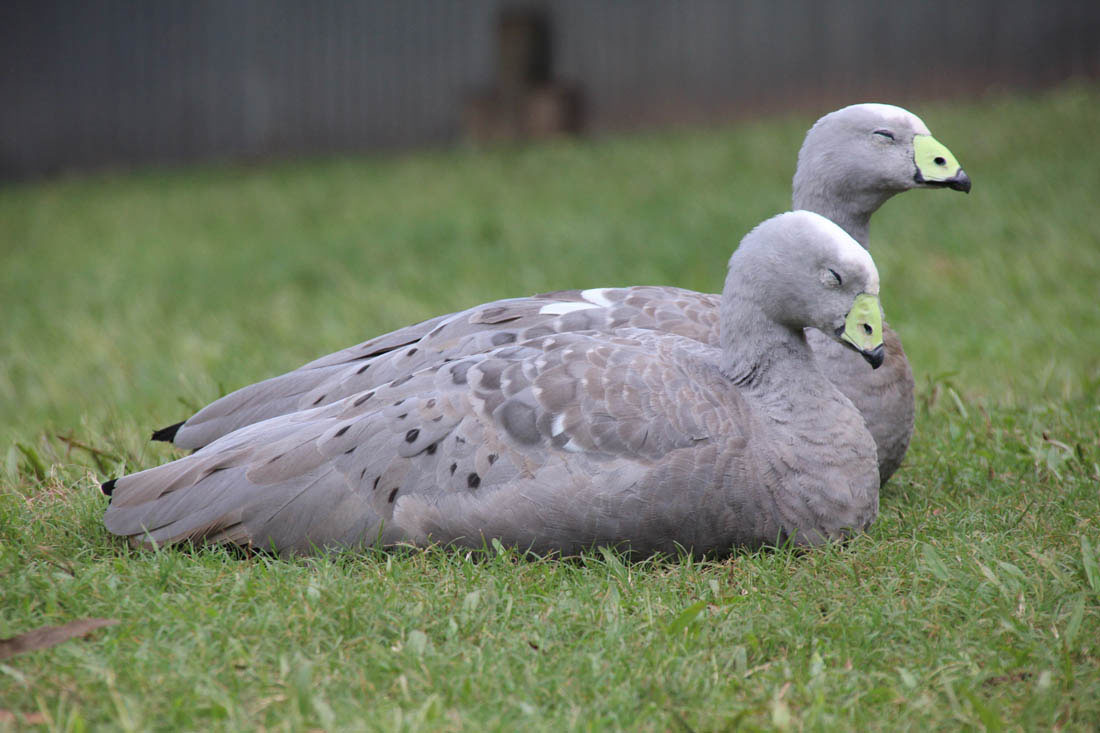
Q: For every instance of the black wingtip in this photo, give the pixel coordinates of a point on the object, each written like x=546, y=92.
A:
x=168, y=434
x=108, y=487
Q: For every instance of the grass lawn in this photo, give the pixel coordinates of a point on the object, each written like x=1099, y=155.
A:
x=129, y=300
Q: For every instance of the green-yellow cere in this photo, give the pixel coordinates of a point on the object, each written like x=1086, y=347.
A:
x=926, y=149
x=863, y=324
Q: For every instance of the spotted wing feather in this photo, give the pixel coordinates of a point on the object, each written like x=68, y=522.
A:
x=552, y=443
x=475, y=331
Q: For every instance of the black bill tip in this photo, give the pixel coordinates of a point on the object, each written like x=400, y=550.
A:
x=875, y=357
x=959, y=182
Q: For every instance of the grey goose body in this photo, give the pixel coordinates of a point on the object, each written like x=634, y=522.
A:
x=851, y=162
x=632, y=437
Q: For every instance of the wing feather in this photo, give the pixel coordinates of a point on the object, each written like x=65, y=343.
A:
x=544, y=442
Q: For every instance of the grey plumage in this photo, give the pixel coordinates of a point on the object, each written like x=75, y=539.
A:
x=850, y=163
x=628, y=436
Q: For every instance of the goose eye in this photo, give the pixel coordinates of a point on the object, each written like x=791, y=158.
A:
x=885, y=133
x=836, y=275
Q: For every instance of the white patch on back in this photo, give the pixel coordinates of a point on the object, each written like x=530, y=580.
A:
x=557, y=427
x=572, y=447
x=557, y=309
x=597, y=296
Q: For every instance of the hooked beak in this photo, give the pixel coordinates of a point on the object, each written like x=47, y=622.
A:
x=959, y=182
x=862, y=329
x=936, y=166
x=875, y=357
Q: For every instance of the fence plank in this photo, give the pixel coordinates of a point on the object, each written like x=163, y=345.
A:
x=87, y=83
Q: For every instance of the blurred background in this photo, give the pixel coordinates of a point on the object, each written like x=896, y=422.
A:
x=95, y=83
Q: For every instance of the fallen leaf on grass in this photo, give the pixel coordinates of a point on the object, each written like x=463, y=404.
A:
x=1004, y=679
x=7, y=716
x=48, y=636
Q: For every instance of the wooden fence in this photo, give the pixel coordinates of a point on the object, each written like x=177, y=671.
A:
x=88, y=83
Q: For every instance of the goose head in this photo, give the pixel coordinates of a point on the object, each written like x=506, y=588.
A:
x=856, y=158
x=804, y=271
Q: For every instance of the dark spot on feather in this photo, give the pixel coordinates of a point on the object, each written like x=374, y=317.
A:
x=393, y=495
x=496, y=314
x=402, y=416
x=411, y=351
x=473, y=480
x=350, y=450
x=275, y=458
x=459, y=440
x=362, y=474
x=538, y=331
x=318, y=400
x=363, y=368
x=458, y=372
x=492, y=458
x=504, y=337
x=342, y=430
x=430, y=403
x=395, y=404
x=454, y=467
x=430, y=450
x=363, y=399
x=398, y=382
x=490, y=375
x=211, y=472
x=387, y=349
x=519, y=420
x=375, y=487
x=412, y=435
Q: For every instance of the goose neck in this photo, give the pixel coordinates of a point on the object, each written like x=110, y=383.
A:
x=760, y=355
x=850, y=209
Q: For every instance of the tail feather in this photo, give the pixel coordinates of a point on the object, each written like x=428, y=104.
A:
x=168, y=434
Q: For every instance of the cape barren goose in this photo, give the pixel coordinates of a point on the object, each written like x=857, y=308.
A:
x=637, y=437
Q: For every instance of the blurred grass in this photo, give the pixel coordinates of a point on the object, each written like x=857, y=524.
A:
x=128, y=300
